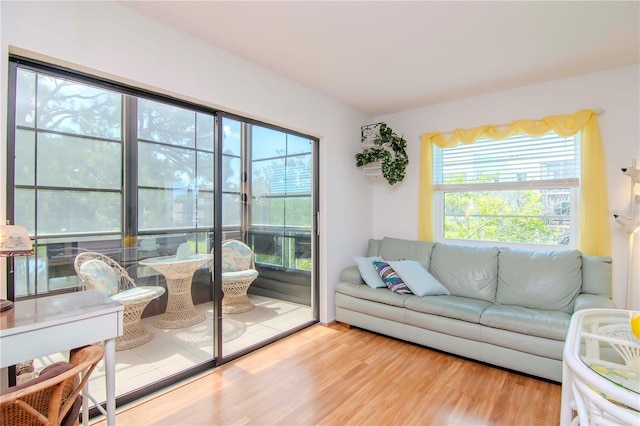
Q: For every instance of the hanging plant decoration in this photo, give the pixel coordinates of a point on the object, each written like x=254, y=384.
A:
x=384, y=153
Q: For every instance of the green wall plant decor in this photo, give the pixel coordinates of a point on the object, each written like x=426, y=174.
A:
x=384, y=152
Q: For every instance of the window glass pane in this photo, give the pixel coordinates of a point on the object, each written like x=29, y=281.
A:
x=298, y=175
x=91, y=212
x=230, y=174
x=168, y=208
x=298, y=211
x=24, y=268
x=230, y=137
x=268, y=177
x=231, y=207
x=205, y=209
x=25, y=209
x=268, y=211
x=165, y=167
x=297, y=145
x=529, y=216
x=25, y=157
x=76, y=108
x=160, y=122
x=69, y=161
x=204, y=131
x=205, y=171
x=26, y=98
x=267, y=143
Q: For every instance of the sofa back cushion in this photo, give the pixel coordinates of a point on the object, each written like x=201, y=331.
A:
x=466, y=271
x=374, y=247
x=548, y=280
x=596, y=275
x=398, y=249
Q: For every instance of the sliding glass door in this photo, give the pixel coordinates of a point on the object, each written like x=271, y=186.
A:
x=161, y=185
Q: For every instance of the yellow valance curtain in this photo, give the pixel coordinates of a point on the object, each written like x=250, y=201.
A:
x=594, y=234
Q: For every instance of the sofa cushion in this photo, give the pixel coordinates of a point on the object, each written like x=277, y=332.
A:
x=398, y=249
x=373, y=248
x=390, y=278
x=380, y=295
x=419, y=280
x=466, y=271
x=596, y=275
x=100, y=277
x=534, y=322
x=369, y=272
x=548, y=280
x=456, y=307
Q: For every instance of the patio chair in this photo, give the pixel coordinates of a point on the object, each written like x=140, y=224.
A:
x=101, y=273
x=238, y=272
x=52, y=398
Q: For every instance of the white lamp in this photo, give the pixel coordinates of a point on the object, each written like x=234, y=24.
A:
x=631, y=226
x=14, y=241
x=633, y=173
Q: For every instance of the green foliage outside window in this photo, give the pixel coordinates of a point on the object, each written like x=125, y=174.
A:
x=526, y=216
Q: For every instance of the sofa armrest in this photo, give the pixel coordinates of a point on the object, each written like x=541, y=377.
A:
x=588, y=301
x=351, y=275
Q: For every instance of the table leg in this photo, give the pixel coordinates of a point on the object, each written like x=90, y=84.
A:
x=180, y=310
x=85, y=402
x=110, y=376
x=567, y=396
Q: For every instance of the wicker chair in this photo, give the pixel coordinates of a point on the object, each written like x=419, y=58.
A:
x=238, y=272
x=101, y=273
x=53, y=398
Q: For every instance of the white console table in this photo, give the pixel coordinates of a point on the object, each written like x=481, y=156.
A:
x=601, y=369
x=47, y=325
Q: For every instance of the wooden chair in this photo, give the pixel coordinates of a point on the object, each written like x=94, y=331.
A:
x=101, y=273
x=53, y=398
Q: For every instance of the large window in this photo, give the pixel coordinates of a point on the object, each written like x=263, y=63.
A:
x=520, y=190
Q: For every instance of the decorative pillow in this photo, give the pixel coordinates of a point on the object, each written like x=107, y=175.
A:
x=390, y=278
x=368, y=271
x=419, y=280
x=100, y=277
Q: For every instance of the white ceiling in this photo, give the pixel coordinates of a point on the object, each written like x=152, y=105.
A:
x=387, y=56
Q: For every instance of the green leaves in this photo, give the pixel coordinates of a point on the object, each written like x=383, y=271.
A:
x=391, y=154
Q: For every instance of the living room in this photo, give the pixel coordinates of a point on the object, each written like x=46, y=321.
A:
x=118, y=42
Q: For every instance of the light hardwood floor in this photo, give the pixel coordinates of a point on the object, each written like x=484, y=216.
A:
x=337, y=376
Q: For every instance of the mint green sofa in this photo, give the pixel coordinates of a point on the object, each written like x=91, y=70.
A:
x=506, y=307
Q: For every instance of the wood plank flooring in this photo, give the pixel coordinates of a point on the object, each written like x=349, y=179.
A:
x=331, y=375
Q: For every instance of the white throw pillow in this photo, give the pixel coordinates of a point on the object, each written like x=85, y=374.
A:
x=368, y=271
x=419, y=280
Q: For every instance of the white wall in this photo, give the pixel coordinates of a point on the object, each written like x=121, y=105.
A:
x=108, y=39
x=617, y=91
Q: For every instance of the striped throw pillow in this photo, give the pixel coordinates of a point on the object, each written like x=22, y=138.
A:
x=390, y=278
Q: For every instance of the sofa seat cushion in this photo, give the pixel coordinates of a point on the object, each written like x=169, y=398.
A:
x=534, y=322
x=456, y=307
x=380, y=295
x=547, y=280
x=540, y=346
x=466, y=271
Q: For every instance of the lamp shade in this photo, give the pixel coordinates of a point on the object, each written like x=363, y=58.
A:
x=14, y=241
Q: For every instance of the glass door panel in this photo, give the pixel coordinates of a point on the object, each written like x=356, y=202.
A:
x=272, y=208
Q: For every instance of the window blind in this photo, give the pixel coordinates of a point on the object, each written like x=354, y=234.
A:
x=517, y=162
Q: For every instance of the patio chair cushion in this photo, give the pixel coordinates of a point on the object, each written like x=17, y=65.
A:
x=103, y=278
